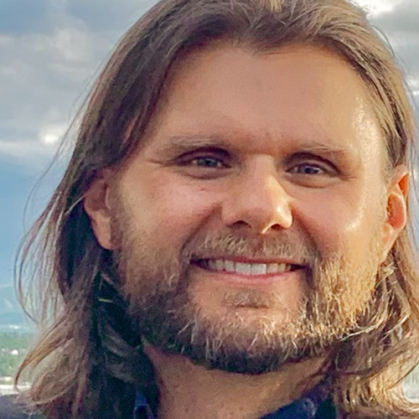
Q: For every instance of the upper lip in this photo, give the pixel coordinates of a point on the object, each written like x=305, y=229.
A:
x=242, y=259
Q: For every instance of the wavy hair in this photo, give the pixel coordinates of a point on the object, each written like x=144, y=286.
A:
x=86, y=356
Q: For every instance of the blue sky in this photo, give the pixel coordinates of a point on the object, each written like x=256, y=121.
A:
x=51, y=51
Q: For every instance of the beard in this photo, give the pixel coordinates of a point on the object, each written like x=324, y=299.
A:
x=252, y=332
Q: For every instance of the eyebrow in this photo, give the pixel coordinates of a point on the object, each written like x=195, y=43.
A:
x=184, y=143
x=323, y=149
x=180, y=144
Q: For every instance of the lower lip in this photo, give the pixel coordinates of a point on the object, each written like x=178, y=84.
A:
x=250, y=280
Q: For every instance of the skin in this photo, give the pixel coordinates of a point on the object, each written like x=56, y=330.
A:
x=257, y=144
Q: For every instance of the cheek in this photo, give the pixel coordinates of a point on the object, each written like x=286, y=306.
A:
x=170, y=211
x=340, y=223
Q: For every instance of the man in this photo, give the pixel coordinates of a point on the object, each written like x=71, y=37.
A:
x=229, y=239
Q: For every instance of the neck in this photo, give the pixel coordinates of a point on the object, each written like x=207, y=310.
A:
x=190, y=391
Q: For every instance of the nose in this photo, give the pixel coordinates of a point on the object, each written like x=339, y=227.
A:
x=258, y=201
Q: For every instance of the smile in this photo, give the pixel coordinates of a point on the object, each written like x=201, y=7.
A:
x=241, y=268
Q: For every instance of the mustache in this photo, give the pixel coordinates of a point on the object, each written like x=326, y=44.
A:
x=284, y=245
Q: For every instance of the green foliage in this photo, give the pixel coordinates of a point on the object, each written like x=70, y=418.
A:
x=9, y=364
x=13, y=340
x=13, y=348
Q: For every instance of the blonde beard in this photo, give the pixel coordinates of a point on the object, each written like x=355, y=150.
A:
x=158, y=289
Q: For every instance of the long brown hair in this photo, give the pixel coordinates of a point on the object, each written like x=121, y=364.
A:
x=86, y=356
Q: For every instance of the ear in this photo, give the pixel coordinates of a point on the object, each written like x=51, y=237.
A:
x=396, y=216
x=97, y=206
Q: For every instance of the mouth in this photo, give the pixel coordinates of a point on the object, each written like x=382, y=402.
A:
x=246, y=268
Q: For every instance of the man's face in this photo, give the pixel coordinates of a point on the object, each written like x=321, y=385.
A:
x=249, y=225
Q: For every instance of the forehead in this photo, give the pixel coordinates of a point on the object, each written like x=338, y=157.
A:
x=294, y=93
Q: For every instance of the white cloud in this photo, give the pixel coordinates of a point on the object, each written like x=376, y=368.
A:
x=74, y=45
x=378, y=7
x=52, y=134
x=42, y=77
x=27, y=153
x=413, y=82
x=5, y=40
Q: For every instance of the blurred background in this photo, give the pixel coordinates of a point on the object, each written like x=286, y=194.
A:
x=50, y=53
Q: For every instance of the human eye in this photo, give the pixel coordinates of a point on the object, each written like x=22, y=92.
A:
x=205, y=164
x=309, y=169
x=312, y=171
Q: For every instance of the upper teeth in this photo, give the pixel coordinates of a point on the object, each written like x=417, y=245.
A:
x=247, y=268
